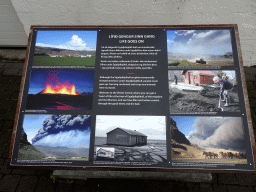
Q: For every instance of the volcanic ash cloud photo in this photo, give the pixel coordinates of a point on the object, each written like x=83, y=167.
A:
x=219, y=133
x=55, y=137
x=65, y=131
x=199, y=48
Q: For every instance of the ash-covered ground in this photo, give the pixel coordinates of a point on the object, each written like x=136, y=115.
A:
x=154, y=152
x=189, y=102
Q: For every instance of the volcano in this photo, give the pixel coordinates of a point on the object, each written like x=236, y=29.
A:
x=60, y=97
x=61, y=101
x=60, y=89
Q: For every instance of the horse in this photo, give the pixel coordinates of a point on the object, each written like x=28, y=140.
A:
x=237, y=155
x=223, y=155
x=215, y=155
x=230, y=155
x=208, y=154
x=242, y=155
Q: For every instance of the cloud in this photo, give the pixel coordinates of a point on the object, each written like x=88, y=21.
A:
x=76, y=43
x=63, y=130
x=152, y=126
x=218, y=133
x=71, y=139
x=201, y=42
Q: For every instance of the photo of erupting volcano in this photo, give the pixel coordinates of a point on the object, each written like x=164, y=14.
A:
x=55, y=137
x=60, y=90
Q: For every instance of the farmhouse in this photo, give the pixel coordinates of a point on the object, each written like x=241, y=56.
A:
x=198, y=77
x=120, y=136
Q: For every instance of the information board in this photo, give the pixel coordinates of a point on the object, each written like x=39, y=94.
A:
x=169, y=97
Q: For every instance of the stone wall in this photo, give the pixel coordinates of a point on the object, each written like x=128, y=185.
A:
x=145, y=12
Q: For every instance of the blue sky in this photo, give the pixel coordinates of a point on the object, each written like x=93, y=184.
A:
x=184, y=123
x=82, y=79
x=31, y=125
x=72, y=138
x=67, y=39
x=216, y=42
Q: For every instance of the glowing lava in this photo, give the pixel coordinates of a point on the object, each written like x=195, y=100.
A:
x=60, y=89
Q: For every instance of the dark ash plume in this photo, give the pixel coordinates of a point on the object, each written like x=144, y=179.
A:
x=63, y=123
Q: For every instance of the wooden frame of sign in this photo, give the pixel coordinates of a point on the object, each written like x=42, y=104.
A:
x=149, y=98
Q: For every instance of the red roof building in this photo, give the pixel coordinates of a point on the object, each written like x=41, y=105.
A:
x=198, y=77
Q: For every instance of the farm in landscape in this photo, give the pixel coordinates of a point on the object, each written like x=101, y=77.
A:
x=65, y=48
x=208, y=140
x=55, y=137
x=199, y=48
x=142, y=140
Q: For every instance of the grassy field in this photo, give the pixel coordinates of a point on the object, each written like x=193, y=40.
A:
x=180, y=63
x=63, y=61
x=209, y=63
x=220, y=63
x=173, y=62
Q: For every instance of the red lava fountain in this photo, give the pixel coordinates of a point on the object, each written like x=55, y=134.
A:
x=60, y=89
x=54, y=86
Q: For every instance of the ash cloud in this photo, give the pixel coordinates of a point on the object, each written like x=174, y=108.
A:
x=219, y=133
x=55, y=125
x=201, y=42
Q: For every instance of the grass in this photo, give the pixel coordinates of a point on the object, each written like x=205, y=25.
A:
x=186, y=63
x=63, y=61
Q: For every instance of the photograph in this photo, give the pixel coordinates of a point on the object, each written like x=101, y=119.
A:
x=211, y=139
x=65, y=48
x=55, y=137
x=121, y=138
x=60, y=89
x=203, y=91
x=199, y=48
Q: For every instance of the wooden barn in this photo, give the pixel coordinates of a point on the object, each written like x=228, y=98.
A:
x=198, y=77
x=120, y=136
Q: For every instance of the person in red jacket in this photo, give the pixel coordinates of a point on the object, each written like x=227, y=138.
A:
x=225, y=89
